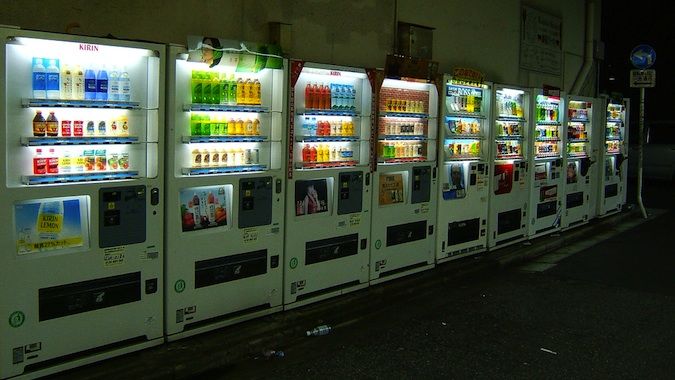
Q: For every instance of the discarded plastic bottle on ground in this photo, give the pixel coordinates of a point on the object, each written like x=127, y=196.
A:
x=273, y=353
x=319, y=330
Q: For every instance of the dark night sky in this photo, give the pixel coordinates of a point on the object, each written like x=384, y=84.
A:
x=645, y=22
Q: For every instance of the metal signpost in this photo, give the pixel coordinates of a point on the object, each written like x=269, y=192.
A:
x=642, y=57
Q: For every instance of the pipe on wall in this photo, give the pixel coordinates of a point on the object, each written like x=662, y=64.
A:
x=588, y=49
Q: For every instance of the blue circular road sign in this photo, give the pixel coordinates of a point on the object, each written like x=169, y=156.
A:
x=642, y=57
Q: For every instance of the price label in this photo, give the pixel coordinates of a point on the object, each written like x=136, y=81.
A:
x=250, y=235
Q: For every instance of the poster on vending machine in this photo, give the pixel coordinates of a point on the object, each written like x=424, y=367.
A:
x=503, y=178
x=455, y=189
x=51, y=224
x=205, y=207
x=572, y=172
x=391, y=189
x=242, y=56
x=311, y=197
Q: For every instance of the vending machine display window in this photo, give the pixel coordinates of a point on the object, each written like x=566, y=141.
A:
x=52, y=224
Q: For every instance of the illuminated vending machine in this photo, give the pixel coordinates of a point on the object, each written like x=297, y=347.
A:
x=510, y=193
x=546, y=161
x=579, y=182
x=328, y=186
x=81, y=199
x=464, y=174
x=404, y=182
x=614, y=153
x=225, y=185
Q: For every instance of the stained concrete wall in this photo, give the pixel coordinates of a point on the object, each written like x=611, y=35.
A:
x=483, y=34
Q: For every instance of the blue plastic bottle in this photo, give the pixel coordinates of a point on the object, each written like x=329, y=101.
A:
x=39, y=79
x=53, y=80
x=102, y=84
x=89, y=84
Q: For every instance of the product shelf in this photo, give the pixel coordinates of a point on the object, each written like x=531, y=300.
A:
x=547, y=139
x=468, y=115
x=325, y=165
x=70, y=103
x=225, y=108
x=510, y=137
x=222, y=139
x=101, y=140
x=402, y=160
x=403, y=137
x=327, y=112
x=577, y=140
x=551, y=123
x=77, y=177
x=325, y=138
x=405, y=114
x=223, y=169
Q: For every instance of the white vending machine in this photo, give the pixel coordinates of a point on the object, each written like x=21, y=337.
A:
x=328, y=182
x=510, y=189
x=613, y=149
x=465, y=170
x=225, y=188
x=546, y=163
x=405, y=178
x=579, y=157
x=82, y=190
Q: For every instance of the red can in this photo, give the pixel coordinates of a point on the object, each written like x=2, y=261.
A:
x=78, y=128
x=66, y=127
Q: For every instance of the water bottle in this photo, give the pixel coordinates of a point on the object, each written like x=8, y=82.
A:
x=39, y=79
x=53, y=80
x=89, y=84
x=102, y=84
x=114, y=84
x=125, y=86
x=319, y=330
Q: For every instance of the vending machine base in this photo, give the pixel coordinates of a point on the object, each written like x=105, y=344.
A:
x=404, y=218
x=327, y=235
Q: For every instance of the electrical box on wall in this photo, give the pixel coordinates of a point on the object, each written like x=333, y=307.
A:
x=415, y=40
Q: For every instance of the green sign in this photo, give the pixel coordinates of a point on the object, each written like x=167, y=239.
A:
x=378, y=244
x=17, y=318
x=179, y=286
x=294, y=263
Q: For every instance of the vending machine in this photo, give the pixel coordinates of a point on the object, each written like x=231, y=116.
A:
x=509, y=134
x=225, y=188
x=328, y=182
x=546, y=163
x=404, y=180
x=579, y=156
x=465, y=172
x=82, y=190
x=613, y=155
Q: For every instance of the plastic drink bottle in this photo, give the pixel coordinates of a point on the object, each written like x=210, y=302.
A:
x=306, y=155
x=125, y=85
x=232, y=96
x=114, y=84
x=52, y=125
x=89, y=84
x=312, y=154
x=39, y=163
x=257, y=92
x=52, y=162
x=102, y=84
x=39, y=124
x=224, y=88
x=326, y=97
x=53, y=80
x=256, y=127
x=78, y=83
x=248, y=91
x=39, y=79
x=65, y=163
x=66, y=82
x=196, y=87
x=308, y=95
x=314, y=96
x=319, y=330
x=240, y=91
x=215, y=88
x=206, y=87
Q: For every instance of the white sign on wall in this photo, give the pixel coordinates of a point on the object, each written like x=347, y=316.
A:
x=540, y=41
x=643, y=78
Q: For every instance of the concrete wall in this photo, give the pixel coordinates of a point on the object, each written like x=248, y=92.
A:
x=483, y=34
